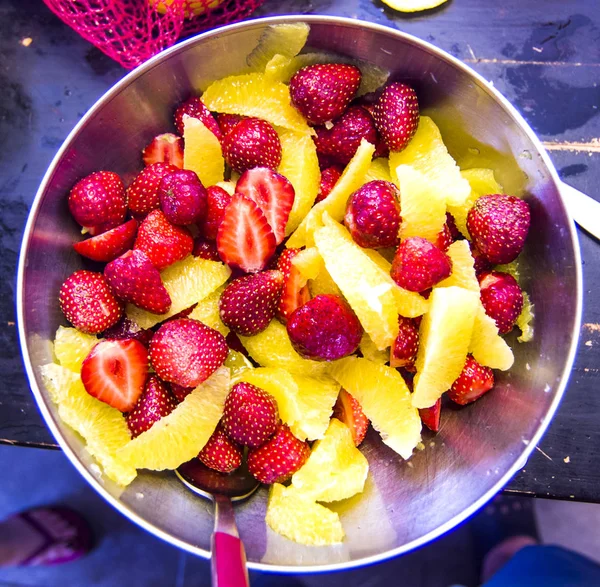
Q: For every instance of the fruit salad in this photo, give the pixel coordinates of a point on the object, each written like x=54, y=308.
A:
x=299, y=260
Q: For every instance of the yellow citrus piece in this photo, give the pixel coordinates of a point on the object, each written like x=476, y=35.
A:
x=103, y=428
x=202, y=153
x=378, y=170
x=280, y=68
x=197, y=7
x=323, y=284
x=278, y=39
x=335, y=203
x=335, y=469
x=525, y=319
x=413, y=5
x=301, y=519
x=237, y=363
x=253, y=94
x=71, y=347
x=207, y=311
x=228, y=186
x=463, y=270
x=309, y=262
x=299, y=164
x=182, y=434
x=385, y=399
x=444, y=337
x=188, y=282
x=427, y=153
x=487, y=346
x=369, y=351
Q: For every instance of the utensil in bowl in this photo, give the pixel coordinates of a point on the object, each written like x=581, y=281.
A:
x=584, y=210
x=479, y=448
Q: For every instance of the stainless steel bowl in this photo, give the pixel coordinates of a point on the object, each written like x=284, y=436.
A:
x=478, y=450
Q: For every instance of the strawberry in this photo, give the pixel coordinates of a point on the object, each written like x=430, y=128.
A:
x=182, y=197
x=329, y=177
x=324, y=329
x=163, y=242
x=295, y=291
x=164, y=148
x=125, y=329
x=396, y=115
x=97, y=202
x=110, y=244
x=206, y=250
x=187, y=352
x=278, y=458
x=502, y=298
x=221, y=453
x=226, y=122
x=252, y=142
x=273, y=193
x=339, y=143
x=498, y=225
x=373, y=215
x=419, y=264
x=115, y=372
x=135, y=280
x=481, y=264
x=195, y=108
x=322, y=92
x=444, y=238
x=349, y=411
x=250, y=415
x=155, y=403
x=88, y=303
x=451, y=224
x=245, y=240
x=180, y=392
x=217, y=200
x=472, y=383
x=403, y=352
x=142, y=194
x=248, y=303
x=431, y=416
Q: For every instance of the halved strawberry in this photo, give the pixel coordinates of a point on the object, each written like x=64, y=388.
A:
x=155, y=403
x=245, y=240
x=431, y=416
x=502, y=298
x=195, y=108
x=295, y=291
x=396, y=115
x=273, y=193
x=115, y=372
x=164, y=148
x=221, y=453
x=349, y=411
x=403, y=352
x=108, y=245
x=142, y=194
x=217, y=200
x=472, y=383
x=252, y=142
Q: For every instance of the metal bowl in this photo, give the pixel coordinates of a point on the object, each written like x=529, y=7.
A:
x=479, y=448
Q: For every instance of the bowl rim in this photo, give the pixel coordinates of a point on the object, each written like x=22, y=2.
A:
x=520, y=459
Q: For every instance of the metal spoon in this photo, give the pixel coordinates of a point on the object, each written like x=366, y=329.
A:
x=228, y=561
x=584, y=209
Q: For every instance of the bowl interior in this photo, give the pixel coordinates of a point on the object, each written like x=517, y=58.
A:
x=478, y=448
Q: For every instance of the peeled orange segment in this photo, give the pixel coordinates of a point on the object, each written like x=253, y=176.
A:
x=301, y=519
x=482, y=182
x=444, y=339
x=335, y=203
x=335, y=469
x=188, y=282
x=323, y=284
x=427, y=153
x=272, y=348
x=182, y=434
x=280, y=68
x=308, y=262
x=299, y=164
x=369, y=351
x=237, y=363
x=463, y=270
x=71, y=347
x=422, y=204
x=378, y=170
x=207, y=311
x=252, y=94
x=228, y=186
x=413, y=5
x=385, y=400
x=103, y=428
x=487, y=346
x=283, y=39
x=525, y=320
x=202, y=153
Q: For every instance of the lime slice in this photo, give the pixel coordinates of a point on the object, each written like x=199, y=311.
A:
x=413, y=5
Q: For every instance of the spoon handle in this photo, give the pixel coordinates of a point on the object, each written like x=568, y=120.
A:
x=584, y=210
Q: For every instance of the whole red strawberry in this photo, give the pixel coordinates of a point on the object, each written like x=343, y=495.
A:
x=97, y=202
x=339, y=143
x=195, y=108
x=110, y=244
x=182, y=198
x=155, y=403
x=322, y=92
x=444, y=238
x=431, y=416
x=164, y=148
x=349, y=411
x=217, y=200
x=227, y=121
x=206, y=250
x=187, y=352
x=163, y=242
x=221, y=453
x=373, y=215
x=134, y=279
x=403, y=352
x=278, y=458
x=329, y=178
x=472, y=383
x=396, y=115
x=125, y=329
x=88, y=303
x=249, y=303
x=324, y=329
x=451, y=224
x=295, y=291
x=419, y=264
x=252, y=142
x=180, y=392
x=498, y=225
x=142, y=194
x=502, y=299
